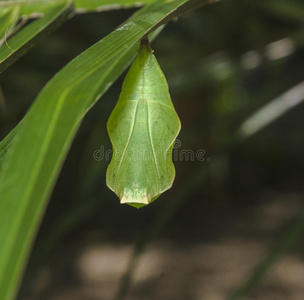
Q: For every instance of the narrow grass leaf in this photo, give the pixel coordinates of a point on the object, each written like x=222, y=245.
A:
x=82, y=6
x=34, y=159
x=8, y=19
x=27, y=36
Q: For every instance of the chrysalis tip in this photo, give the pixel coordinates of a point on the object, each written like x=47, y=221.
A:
x=131, y=199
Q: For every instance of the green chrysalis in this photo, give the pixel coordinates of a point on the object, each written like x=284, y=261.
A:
x=142, y=127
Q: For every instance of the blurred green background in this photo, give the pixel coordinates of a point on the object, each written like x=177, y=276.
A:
x=201, y=239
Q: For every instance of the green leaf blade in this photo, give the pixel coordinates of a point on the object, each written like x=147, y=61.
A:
x=83, y=6
x=8, y=19
x=30, y=9
x=142, y=127
x=25, y=38
x=35, y=157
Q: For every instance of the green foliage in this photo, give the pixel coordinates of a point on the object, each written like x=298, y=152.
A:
x=223, y=110
x=143, y=127
x=101, y=5
x=8, y=19
x=36, y=153
x=26, y=37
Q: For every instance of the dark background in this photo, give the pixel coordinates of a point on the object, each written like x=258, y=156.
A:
x=203, y=237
